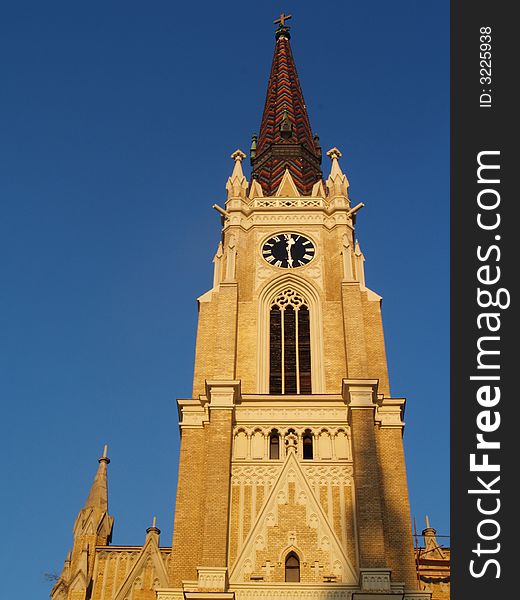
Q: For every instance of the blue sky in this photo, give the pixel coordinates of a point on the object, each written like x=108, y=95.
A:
x=109, y=111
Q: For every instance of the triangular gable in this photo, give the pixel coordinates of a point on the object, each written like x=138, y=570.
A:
x=151, y=551
x=287, y=187
x=93, y=521
x=59, y=590
x=255, y=190
x=432, y=549
x=316, y=519
x=318, y=189
x=79, y=581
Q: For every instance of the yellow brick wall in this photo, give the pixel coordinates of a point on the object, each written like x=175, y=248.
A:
x=353, y=347
x=217, y=488
x=399, y=548
x=189, y=507
x=368, y=490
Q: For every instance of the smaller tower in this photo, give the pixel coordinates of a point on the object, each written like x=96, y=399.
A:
x=433, y=565
x=93, y=527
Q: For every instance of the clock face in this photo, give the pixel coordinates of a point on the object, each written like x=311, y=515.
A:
x=288, y=250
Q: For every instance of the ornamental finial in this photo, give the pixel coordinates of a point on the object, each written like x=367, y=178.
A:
x=238, y=155
x=282, y=19
x=104, y=458
x=283, y=29
x=334, y=153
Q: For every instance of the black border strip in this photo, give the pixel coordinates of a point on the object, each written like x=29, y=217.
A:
x=481, y=123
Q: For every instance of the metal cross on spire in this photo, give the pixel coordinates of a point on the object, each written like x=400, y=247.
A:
x=282, y=19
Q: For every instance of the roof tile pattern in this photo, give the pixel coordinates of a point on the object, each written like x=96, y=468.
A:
x=285, y=140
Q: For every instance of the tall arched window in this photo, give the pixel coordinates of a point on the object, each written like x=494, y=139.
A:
x=289, y=344
x=274, y=445
x=292, y=568
x=307, y=445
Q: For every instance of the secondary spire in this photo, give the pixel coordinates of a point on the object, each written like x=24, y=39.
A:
x=98, y=496
x=285, y=140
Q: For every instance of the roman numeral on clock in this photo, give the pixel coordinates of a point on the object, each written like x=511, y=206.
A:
x=288, y=250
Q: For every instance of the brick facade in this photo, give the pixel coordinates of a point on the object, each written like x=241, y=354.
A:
x=242, y=509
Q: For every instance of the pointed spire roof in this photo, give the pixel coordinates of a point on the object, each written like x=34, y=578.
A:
x=98, y=495
x=285, y=140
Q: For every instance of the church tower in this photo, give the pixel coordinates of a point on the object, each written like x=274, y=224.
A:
x=292, y=480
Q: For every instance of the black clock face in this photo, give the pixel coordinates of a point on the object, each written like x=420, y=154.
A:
x=288, y=250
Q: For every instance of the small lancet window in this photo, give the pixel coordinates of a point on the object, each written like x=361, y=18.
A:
x=292, y=568
x=307, y=445
x=289, y=345
x=274, y=445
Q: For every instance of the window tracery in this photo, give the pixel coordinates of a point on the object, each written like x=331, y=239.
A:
x=289, y=344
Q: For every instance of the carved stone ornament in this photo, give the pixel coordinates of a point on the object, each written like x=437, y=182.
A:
x=295, y=592
x=212, y=578
x=375, y=580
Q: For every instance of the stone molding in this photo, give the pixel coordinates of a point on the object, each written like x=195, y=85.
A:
x=169, y=594
x=223, y=393
x=329, y=218
x=329, y=443
x=262, y=474
x=212, y=579
x=323, y=474
x=311, y=415
x=209, y=595
x=397, y=595
x=390, y=413
x=360, y=393
x=375, y=580
x=288, y=591
x=192, y=413
x=255, y=474
x=305, y=202
x=299, y=427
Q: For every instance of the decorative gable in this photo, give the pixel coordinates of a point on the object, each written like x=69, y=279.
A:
x=147, y=573
x=287, y=188
x=292, y=520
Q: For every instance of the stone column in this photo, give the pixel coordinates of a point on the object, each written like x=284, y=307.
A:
x=188, y=532
x=396, y=507
x=375, y=575
x=359, y=395
x=212, y=571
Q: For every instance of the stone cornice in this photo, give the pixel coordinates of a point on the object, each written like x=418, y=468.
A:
x=360, y=393
x=281, y=211
x=223, y=393
x=193, y=413
x=390, y=413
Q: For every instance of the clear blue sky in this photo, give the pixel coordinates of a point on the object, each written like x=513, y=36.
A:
x=109, y=111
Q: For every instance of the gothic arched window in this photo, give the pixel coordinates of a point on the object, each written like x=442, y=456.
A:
x=274, y=445
x=290, y=344
x=292, y=568
x=307, y=445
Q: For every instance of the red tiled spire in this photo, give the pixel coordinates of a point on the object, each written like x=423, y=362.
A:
x=285, y=139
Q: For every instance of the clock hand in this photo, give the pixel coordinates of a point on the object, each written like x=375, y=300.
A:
x=290, y=242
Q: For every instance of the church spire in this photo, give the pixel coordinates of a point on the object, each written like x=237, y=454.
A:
x=285, y=140
x=93, y=519
x=98, y=495
x=93, y=527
